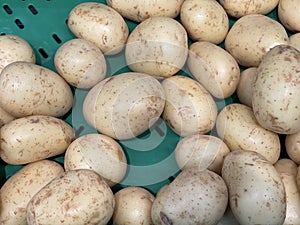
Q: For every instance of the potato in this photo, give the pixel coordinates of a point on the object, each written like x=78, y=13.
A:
x=18, y=190
x=214, y=68
x=5, y=117
x=30, y=89
x=99, y=24
x=33, y=138
x=139, y=11
x=204, y=20
x=194, y=197
x=76, y=197
x=292, y=146
x=244, y=88
x=256, y=191
x=241, y=8
x=289, y=14
x=80, y=63
x=252, y=36
x=14, y=48
x=100, y=153
x=189, y=107
x=157, y=46
x=288, y=172
x=276, y=90
x=125, y=105
x=201, y=151
x=295, y=41
x=237, y=127
x=133, y=206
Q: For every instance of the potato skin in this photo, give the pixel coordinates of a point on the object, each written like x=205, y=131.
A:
x=18, y=190
x=33, y=138
x=76, y=197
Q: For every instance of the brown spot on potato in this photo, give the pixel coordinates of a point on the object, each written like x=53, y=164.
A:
x=165, y=219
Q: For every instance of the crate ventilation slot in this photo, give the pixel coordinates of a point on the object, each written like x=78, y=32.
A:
x=32, y=9
x=43, y=53
x=7, y=9
x=19, y=23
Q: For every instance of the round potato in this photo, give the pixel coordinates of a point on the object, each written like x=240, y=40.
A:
x=139, y=11
x=157, y=46
x=292, y=146
x=241, y=8
x=97, y=152
x=133, y=206
x=5, y=117
x=18, y=190
x=237, y=127
x=76, y=197
x=33, y=138
x=244, y=88
x=204, y=20
x=13, y=48
x=201, y=151
x=80, y=63
x=252, y=36
x=99, y=24
x=253, y=183
x=295, y=41
x=189, y=107
x=30, y=89
x=214, y=68
x=289, y=14
x=194, y=197
x=276, y=90
x=125, y=105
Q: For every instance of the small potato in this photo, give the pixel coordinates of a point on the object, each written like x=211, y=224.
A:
x=189, y=107
x=139, y=11
x=237, y=127
x=201, y=151
x=292, y=146
x=157, y=46
x=285, y=165
x=289, y=14
x=80, y=63
x=30, y=89
x=214, y=68
x=99, y=24
x=241, y=8
x=133, y=206
x=252, y=36
x=194, y=197
x=244, y=89
x=125, y=105
x=276, y=90
x=5, y=117
x=76, y=197
x=295, y=41
x=14, y=48
x=97, y=152
x=204, y=20
x=18, y=190
x=256, y=191
x=33, y=138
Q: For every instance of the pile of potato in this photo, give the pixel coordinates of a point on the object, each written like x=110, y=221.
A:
x=236, y=176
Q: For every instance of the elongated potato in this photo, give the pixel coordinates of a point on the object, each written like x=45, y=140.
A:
x=33, y=138
x=22, y=186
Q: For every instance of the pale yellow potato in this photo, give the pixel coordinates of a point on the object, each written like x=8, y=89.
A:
x=139, y=11
x=239, y=8
x=256, y=191
x=292, y=146
x=289, y=14
x=204, y=20
x=214, y=68
x=295, y=41
x=33, y=138
x=286, y=165
x=133, y=206
x=76, y=197
x=100, y=153
x=125, y=105
x=252, y=36
x=189, y=107
x=14, y=48
x=30, y=89
x=201, y=151
x=157, y=46
x=80, y=63
x=5, y=117
x=18, y=190
x=99, y=24
x=276, y=90
x=237, y=127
